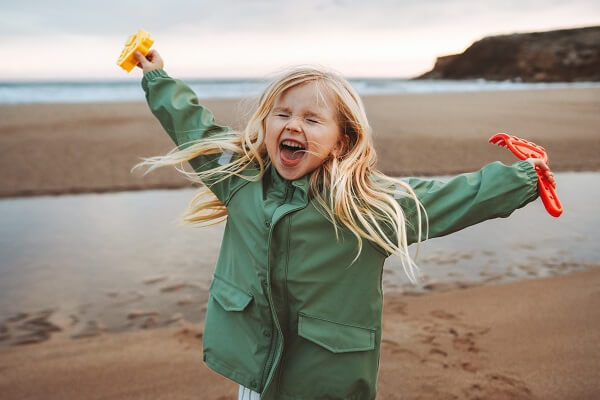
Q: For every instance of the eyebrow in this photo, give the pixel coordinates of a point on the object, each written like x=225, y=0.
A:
x=308, y=113
x=314, y=114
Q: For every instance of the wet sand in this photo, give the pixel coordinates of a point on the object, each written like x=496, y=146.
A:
x=535, y=339
x=72, y=148
x=525, y=340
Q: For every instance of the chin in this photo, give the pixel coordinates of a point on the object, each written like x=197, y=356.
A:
x=292, y=173
x=287, y=174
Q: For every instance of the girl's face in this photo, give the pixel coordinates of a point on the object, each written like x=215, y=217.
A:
x=301, y=130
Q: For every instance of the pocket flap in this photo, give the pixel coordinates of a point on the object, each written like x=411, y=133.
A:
x=228, y=296
x=334, y=336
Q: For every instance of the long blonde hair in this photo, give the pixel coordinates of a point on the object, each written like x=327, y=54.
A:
x=347, y=188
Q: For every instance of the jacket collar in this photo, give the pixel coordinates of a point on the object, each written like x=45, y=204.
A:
x=275, y=180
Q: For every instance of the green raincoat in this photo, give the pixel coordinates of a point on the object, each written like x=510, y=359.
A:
x=288, y=316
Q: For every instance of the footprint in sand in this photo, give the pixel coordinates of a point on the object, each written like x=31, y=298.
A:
x=465, y=343
x=508, y=381
x=155, y=279
x=442, y=314
x=435, y=351
x=189, y=336
x=428, y=339
x=399, y=308
x=92, y=328
x=32, y=328
x=141, y=314
x=178, y=286
x=451, y=344
x=4, y=334
x=467, y=366
x=395, y=348
x=498, y=386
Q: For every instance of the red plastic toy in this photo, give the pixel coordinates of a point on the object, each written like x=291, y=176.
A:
x=524, y=150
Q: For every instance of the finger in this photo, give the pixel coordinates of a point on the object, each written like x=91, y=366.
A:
x=140, y=57
x=152, y=55
x=549, y=176
x=543, y=166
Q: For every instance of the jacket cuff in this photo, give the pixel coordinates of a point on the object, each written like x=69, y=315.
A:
x=152, y=75
x=530, y=175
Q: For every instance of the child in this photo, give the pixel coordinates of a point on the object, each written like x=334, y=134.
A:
x=295, y=303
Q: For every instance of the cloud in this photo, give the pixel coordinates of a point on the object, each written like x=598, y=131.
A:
x=34, y=17
x=243, y=37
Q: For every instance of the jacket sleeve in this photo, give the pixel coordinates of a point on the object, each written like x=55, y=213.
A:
x=495, y=191
x=176, y=107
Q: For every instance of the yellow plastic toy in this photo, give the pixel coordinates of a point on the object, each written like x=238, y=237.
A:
x=139, y=41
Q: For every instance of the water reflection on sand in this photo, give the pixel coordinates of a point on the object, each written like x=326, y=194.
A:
x=528, y=244
x=87, y=264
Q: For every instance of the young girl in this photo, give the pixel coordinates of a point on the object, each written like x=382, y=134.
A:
x=295, y=304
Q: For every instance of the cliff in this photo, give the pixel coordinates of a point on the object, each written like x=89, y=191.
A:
x=565, y=55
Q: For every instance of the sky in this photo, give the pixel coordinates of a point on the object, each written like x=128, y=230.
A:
x=79, y=40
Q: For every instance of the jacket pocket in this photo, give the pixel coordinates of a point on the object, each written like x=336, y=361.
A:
x=234, y=343
x=228, y=296
x=334, y=336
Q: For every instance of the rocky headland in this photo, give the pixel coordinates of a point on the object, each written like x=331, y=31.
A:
x=566, y=55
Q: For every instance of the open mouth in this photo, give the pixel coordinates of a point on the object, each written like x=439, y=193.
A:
x=291, y=152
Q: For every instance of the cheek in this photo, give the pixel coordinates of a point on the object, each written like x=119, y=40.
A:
x=329, y=139
x=271, y=127
x=270, y=137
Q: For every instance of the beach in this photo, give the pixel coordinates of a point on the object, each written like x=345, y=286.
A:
x=524, y=339
x=73, y=148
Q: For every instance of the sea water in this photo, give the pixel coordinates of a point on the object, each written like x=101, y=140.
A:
x=130, y=90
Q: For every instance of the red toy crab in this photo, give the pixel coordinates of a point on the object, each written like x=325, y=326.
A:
x=524, y=150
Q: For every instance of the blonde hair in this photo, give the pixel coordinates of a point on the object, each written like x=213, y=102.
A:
x=347, y=188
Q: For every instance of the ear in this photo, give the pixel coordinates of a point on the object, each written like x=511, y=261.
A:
x=342, y=143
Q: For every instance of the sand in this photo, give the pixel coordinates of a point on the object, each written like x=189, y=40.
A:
x=533, y=339
x=71, y=148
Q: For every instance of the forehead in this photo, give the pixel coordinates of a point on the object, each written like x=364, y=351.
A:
x=311, y=96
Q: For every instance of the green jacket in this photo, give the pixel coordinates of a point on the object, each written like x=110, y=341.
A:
x=287, y=315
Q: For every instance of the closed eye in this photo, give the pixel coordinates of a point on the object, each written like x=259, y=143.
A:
x=312, y=121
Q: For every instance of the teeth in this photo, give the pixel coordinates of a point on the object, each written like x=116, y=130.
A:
x=292, y=144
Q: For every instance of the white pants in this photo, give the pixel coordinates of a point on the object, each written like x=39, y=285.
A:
x=247, y=394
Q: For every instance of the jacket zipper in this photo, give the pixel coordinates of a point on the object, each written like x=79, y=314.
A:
x=288, y=191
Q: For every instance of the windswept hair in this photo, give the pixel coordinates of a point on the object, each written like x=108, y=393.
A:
x=348, y=189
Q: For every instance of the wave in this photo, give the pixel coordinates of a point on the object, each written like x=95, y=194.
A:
x=118, y=91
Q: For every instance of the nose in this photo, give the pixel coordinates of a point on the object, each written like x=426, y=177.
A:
x=294, y=125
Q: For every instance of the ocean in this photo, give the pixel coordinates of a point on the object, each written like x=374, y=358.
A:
x=118, y=91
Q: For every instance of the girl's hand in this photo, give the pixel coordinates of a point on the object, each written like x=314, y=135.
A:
x=541, y=166
x=151, y=62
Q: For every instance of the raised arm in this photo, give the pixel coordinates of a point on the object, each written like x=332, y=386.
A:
x=494, y=191
x=176, y=107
